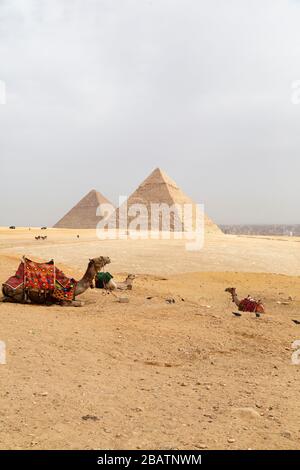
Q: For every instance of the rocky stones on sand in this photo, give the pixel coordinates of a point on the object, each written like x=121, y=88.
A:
x=286, y=434
x=247, y=413
x=90, y=418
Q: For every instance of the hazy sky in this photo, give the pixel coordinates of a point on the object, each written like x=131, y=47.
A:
x=100, y=92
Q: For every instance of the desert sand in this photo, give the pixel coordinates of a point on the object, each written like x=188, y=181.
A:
x=149, y=374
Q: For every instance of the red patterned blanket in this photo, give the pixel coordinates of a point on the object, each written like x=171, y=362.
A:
x=251, y=305
x=43, y=277
x=17, y=280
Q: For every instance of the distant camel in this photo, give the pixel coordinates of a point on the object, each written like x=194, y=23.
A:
x=18, y=295
x=124, y=285
x=246, y=305
x=127, y=284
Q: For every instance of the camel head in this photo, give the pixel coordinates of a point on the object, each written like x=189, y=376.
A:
x=100, y=262
x=231, y=290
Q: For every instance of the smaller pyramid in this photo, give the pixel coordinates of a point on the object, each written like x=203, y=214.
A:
x=84, y=214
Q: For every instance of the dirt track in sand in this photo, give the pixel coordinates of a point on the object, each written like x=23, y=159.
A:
x=185, y=375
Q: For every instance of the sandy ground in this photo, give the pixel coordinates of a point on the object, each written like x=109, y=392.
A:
x=150, y=374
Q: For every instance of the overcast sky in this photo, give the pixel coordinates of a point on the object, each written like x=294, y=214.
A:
x=100, y=92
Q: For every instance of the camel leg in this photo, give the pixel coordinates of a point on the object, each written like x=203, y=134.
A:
x=13, y=300
x=7, y=299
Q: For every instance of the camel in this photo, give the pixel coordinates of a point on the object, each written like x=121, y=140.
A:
x=18, y=295
x=114, y=285
x=125, y=285
x=246, y=305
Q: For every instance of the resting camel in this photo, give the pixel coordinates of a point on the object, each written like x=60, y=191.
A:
x=246, y=305
x=18, y=295
x=125, y=285
x=114, y=285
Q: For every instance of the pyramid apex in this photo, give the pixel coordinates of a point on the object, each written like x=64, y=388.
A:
x=158, y=176
x=92, y=191
x=158, y=170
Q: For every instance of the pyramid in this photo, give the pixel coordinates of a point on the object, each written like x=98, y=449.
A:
x=83, y=215
x=159, y=188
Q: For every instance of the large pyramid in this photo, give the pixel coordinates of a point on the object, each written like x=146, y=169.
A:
x=159, y=188
x=84, y=214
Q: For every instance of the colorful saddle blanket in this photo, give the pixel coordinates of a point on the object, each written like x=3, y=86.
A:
x=250, y=305
x=43, y=277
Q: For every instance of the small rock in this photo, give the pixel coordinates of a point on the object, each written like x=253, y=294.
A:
x=286, y=434
x=201, y=446
x=231, y=441
x=90, y=418
x=247, y=413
